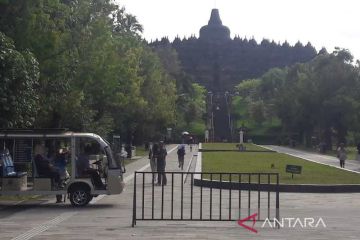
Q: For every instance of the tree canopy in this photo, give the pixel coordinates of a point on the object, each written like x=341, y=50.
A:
x=319, y=98
x=83, y=65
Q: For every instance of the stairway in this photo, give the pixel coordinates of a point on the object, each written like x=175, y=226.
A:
x=222, y=128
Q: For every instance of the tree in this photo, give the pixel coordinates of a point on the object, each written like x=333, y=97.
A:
x=315, y=98
x=190, y=102
x=19, y=76
x=96, y=73
x=126, y=23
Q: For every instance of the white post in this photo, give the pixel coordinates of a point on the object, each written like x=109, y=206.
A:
x=206, y=135
x=241, y=136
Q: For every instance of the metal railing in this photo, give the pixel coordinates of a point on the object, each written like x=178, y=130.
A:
x=204, y=196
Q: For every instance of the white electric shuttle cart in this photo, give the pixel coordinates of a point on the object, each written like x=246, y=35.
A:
x=65, y=152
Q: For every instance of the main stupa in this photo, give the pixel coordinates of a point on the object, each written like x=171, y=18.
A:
x=219, y=63
x=215, y=30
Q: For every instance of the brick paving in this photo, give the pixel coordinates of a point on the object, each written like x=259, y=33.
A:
x=110, y=218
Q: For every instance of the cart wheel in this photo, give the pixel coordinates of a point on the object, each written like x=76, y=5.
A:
x=90, y=198
x=80, y=197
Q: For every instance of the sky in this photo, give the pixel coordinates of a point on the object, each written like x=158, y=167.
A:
x=324, y=23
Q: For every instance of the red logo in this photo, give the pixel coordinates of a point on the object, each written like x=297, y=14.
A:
x=253, y=217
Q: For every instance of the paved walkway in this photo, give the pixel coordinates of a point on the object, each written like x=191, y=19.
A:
x=351, y=165
x=110, y=218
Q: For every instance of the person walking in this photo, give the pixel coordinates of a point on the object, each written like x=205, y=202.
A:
x=358, y=151
x=181, y=155
x=153, y=155
x=161, y=163
x=191, y=142
x=341, y=154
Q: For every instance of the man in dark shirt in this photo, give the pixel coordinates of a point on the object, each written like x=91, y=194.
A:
x=153, y=156
x=83, y=168
x=161, y=163
x=43, y=165
x=181, y=156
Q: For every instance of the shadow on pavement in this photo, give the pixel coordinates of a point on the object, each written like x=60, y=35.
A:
x=8, y=210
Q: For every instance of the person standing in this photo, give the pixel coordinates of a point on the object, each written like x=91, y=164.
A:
x=358, y=151
x=341, y=154
x=123, y=155
x=153, y=155
x=60, y=163
x=181, y=155
x=161, y=163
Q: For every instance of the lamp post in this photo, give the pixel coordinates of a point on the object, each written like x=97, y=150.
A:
x=228, y=108
x=116, y=143
x=211, y=116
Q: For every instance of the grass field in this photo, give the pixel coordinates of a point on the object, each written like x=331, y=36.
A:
x=140, y=151
x=230, y=146
x=312, y=173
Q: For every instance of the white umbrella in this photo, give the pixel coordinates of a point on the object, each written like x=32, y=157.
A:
x=185, y=133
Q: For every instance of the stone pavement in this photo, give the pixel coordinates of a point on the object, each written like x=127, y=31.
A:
x=352, y=165
x=110, y=218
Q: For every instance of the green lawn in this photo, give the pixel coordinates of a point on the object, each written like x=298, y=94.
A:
x=140, y=151
x=312, y=173
x=230, y=146
x=19, y=198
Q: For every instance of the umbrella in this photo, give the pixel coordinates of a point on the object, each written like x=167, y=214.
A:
x=185, y=133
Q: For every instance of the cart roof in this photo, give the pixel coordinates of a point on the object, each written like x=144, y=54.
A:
x=47, y=133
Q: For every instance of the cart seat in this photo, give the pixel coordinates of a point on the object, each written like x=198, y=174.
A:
x=8, y=168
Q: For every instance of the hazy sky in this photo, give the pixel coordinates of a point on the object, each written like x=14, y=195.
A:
x=326, y=23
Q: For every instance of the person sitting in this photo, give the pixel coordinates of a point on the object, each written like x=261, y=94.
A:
x=60, y=163
x=44, y=167
x=83, y=168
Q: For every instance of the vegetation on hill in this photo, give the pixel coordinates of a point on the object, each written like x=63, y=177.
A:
x=239, y=58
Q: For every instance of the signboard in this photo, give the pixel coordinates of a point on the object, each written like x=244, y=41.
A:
x=293, y=169
x=23, y=151
x=116, y=146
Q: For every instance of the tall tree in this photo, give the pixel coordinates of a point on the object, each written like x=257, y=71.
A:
x=19, y=76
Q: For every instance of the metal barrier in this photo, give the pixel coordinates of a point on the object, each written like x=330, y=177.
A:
x=231, y=197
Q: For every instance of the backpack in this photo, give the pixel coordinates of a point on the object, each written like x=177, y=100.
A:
x=181, y=151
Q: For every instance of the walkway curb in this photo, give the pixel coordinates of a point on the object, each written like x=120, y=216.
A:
x=311, y=160
x=293, y=188
x=229, y=150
